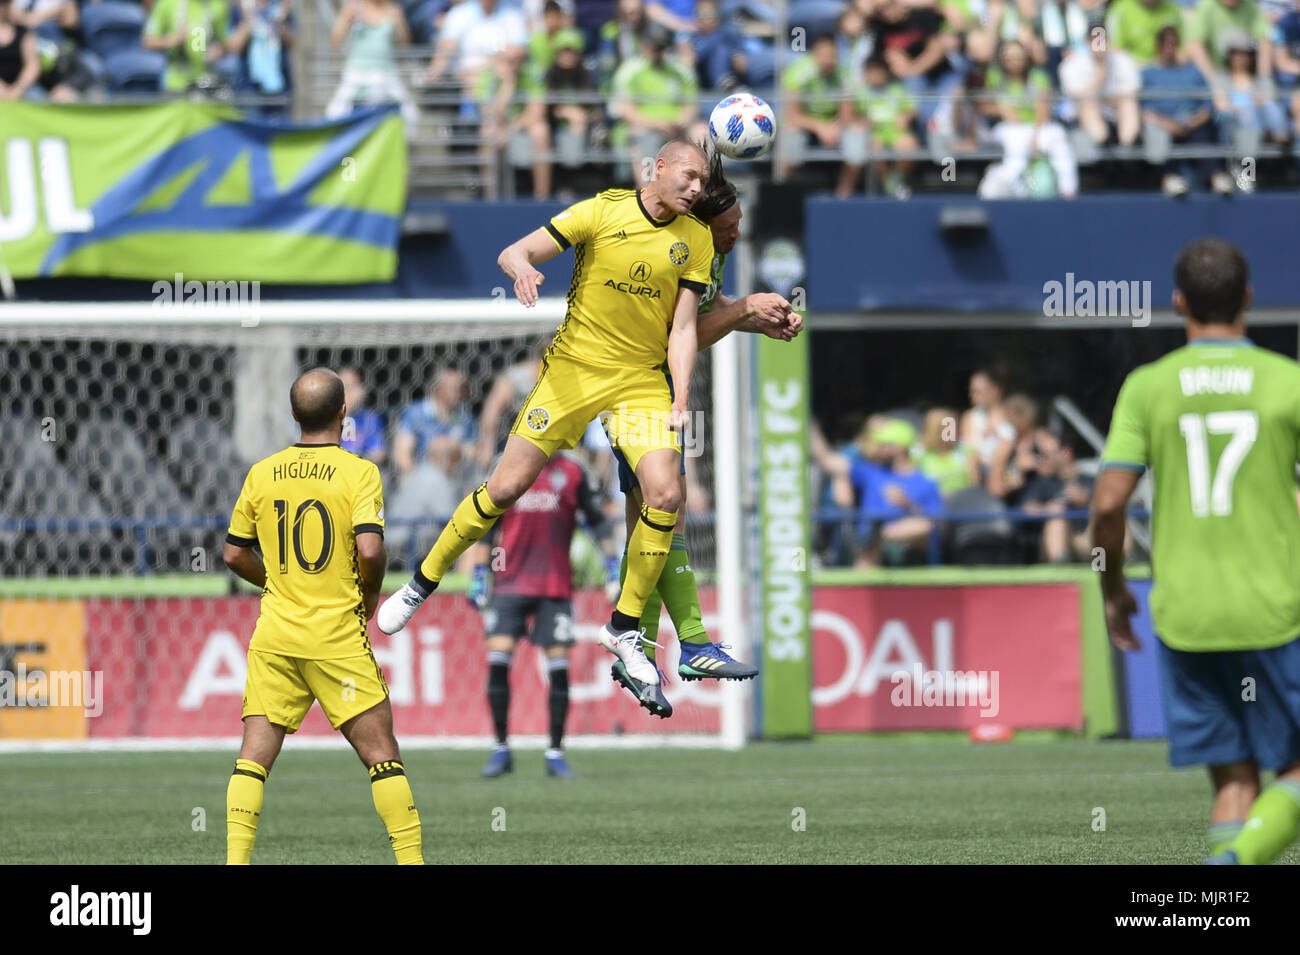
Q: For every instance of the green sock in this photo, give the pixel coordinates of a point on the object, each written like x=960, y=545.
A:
x=1222, y=834
x=650, y=615
x=1271, y=826
x=681, y=594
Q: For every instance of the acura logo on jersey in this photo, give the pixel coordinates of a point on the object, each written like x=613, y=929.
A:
x=679, y=253
x=639, y=272
x=649, y=291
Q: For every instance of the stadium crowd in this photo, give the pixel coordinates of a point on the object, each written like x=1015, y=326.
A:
x=1000, y=482
x=1037, y=85
x=909, y=488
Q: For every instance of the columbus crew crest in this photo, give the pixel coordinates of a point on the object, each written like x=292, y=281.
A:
x=679, y=253
x=538, y=419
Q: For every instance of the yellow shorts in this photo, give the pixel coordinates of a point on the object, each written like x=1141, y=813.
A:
x=282, y=688
x=633, y=405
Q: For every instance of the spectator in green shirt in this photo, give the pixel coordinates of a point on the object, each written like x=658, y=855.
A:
x=1022, y=100
x=191, y=33
x=1211, y=25
x=886, y=111
x=620, y=41
x=943, y=459
x=1132, y=26
x=542, y=46
x=819, y=109
x=554, y=116
x=655, y=99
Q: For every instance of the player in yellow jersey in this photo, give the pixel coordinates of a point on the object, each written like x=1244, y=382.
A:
x=317, y=514
x=765, y=313
x=641, y=262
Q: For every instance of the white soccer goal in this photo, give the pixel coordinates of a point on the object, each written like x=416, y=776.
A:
x=127, y=429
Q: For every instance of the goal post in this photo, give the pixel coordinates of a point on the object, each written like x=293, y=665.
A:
x=133, y=424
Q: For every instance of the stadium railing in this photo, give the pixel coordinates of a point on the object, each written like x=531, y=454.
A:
x=142, y=531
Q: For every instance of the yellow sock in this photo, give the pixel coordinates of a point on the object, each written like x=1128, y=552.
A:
x=647, y=551
x=396, y=806
x=473, y=518
x=243, y=809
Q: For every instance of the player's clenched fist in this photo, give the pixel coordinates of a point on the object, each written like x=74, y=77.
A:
x=1120, y=607
x=677, y=418
x=770, y=314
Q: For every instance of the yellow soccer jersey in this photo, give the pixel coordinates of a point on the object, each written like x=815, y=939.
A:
x=305, y=505
x=627, y=268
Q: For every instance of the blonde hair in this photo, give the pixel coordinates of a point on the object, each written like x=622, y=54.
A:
x=932, y=431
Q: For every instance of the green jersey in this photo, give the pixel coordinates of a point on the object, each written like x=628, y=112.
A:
x=1218, y=424
x=1214, y=24
x=659, y=90
x=1132, y=25
x=885, y=106
x=818, y=94
x=206, y=24
x=715, y=282
x=1022, y=95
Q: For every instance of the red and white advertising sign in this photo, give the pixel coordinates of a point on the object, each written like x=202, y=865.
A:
x=952, y=658
x=884, y=658
x=175, y=667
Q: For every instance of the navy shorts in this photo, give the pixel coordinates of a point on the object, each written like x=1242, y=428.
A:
x=627, y=481
x=507, y=615
x=1232, y=705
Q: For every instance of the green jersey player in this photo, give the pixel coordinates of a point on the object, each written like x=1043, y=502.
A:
x=766, y=313
x=1218, y=423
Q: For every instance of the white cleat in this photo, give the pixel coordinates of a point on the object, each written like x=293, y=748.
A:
x=627, y=647
x=396, y=612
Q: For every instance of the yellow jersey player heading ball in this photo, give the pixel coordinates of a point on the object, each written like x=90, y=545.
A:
x=317, y=513
x=641, y=262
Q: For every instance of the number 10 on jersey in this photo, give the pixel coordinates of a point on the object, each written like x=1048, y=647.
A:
x=317, y=564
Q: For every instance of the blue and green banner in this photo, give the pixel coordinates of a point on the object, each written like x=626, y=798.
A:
x=145, y=192
x=785, y=518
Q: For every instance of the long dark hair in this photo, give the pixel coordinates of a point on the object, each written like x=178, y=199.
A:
x=719, y=195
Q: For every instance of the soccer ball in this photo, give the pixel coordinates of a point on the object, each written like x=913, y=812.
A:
x=742, y=126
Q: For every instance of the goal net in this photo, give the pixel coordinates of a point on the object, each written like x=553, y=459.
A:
x=127, y=431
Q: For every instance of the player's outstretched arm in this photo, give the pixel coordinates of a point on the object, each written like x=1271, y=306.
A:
x=245, y=563
x=765, y=313
x=1109, y=501
x=682, y=349
x=372, y=560
x=517, y=261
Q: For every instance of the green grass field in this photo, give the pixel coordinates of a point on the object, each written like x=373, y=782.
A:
x=890, y=801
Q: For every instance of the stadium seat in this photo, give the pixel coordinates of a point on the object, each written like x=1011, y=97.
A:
x=974, y=542
x=135, y=71
x=112, y=26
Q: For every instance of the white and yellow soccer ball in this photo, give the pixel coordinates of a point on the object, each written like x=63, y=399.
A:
x=742, y=126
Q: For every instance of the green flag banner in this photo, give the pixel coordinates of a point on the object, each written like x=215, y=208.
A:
x=785, y=513
x=146, y=192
